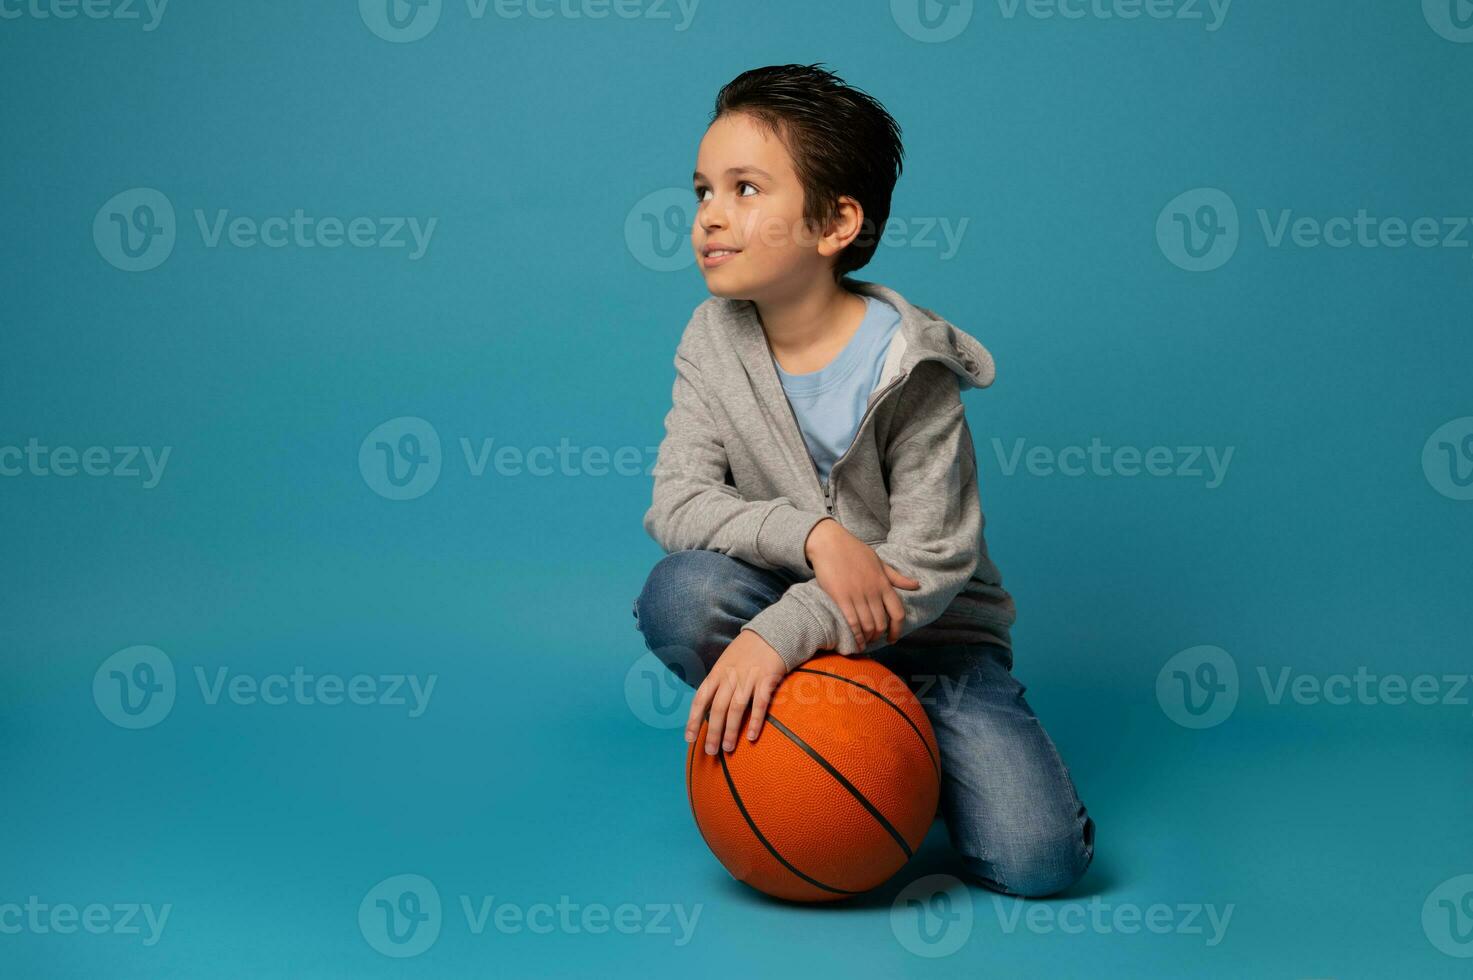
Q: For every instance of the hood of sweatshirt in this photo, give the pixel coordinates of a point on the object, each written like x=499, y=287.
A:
x=924, y=335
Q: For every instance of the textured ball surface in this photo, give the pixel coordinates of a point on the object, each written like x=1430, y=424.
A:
x=834, y=795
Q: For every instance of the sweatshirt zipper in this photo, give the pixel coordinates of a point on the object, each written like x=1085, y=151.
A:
x=874, y=403
x=827, y=487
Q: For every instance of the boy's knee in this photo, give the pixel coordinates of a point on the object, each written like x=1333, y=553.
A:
x=677, y=609
x=1037, y=869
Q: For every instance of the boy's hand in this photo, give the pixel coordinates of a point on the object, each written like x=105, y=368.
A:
x=855, y=578
x=748, y=671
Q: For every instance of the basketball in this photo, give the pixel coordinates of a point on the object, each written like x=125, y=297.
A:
x=835, y=794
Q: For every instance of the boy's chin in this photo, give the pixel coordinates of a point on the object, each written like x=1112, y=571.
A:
x=728, y=288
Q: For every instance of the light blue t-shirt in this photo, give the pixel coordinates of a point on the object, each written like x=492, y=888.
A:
x=830, y=402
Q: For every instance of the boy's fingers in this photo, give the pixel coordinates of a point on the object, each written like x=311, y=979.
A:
x=866, y=619
x=881, y=615
x=760, y=700
x=697, y=710
x=897, y=614
x=853, y=621
x=718, y=719
x=734, y=712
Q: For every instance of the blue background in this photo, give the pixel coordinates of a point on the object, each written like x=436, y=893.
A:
x=533, y=317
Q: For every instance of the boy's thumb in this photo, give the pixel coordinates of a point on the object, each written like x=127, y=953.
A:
x=900, y=578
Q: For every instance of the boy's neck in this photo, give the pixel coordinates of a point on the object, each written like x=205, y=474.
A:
x=810, y=321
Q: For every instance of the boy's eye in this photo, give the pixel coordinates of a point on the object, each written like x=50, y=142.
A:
x=702, y=191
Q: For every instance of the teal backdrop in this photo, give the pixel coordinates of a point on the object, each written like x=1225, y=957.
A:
x=335, y=343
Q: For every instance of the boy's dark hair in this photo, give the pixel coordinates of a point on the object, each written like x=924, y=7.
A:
x=842, y=141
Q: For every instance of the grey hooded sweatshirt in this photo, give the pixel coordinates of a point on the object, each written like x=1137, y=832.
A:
x=734, y=475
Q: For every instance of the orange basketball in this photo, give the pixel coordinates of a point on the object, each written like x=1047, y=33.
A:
x=837, y=791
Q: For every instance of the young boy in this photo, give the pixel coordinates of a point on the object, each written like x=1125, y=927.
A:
x=816, y=487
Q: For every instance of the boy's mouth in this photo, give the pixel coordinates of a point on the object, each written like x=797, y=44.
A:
x=716, y=254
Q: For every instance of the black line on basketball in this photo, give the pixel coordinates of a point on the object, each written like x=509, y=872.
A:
x=737, y=798
x=913, y=727
x=889, y=827
x=690, y=758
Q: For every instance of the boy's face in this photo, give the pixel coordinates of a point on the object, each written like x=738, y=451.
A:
x=749, y=200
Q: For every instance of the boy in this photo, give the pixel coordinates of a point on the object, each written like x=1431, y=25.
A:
x=816, y=487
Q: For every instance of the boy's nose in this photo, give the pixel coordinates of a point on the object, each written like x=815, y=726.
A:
x=711, y=215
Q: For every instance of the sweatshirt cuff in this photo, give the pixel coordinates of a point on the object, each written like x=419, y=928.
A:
x=790, y=628
x=782, y=536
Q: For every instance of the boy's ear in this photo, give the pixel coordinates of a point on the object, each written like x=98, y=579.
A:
x=846, y=225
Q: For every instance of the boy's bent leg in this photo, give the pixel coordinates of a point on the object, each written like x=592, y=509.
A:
x=694, y=603
x=1009, y=803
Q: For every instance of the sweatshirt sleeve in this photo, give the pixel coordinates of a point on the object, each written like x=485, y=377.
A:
x=935, y=528
x=695, y=508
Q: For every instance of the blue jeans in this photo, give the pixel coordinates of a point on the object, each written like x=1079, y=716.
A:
x=1007, y=798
